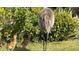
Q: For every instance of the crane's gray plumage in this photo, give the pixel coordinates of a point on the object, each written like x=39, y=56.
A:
x=46, y=21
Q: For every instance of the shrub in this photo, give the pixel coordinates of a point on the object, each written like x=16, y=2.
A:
x=27, y=19
x=64, y=25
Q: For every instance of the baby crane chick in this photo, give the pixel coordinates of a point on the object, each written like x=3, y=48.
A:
x=25, y=41
x=12, y=43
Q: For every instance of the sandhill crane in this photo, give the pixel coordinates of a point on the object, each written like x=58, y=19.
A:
x=46, y=22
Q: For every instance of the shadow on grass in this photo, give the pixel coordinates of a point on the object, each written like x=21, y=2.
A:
x=21, y=49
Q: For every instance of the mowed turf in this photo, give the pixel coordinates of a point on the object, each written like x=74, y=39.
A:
x=70, y=45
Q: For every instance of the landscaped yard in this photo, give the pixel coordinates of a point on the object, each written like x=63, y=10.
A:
x=71, y=45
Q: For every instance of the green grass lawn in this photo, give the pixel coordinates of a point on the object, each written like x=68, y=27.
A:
x=71, y=45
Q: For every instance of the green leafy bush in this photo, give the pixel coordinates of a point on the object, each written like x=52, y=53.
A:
x=27, y=19
x=64, y=25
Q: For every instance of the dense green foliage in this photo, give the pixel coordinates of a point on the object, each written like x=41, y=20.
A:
x=65, y=24
x=26, y=19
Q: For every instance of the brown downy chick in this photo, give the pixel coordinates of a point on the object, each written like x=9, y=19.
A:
x=25, y=41
x=11, y=45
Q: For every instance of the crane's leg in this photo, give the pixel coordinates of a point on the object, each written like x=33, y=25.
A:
x=45, y=41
